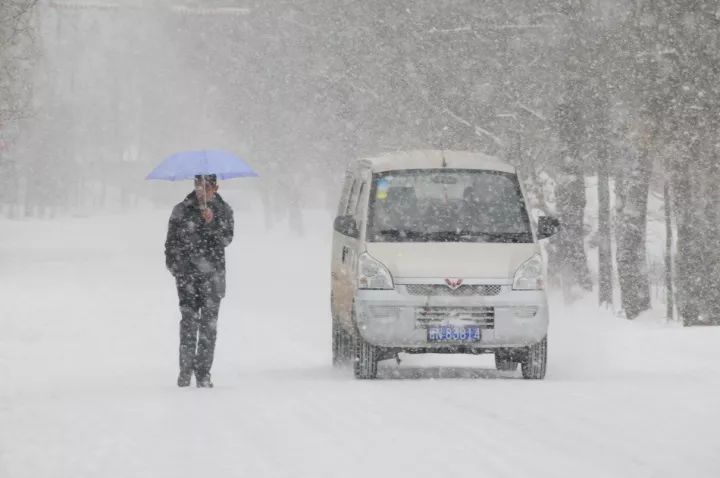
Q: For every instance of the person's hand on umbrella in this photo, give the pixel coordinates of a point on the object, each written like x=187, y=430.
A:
x=207, y=214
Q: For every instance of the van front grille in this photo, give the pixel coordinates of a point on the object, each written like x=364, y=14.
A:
x=465, y=290
x=432, y=315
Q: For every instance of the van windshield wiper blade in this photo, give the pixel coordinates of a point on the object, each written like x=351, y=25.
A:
x=499, y=236
x=445, y=236
x=401, y=233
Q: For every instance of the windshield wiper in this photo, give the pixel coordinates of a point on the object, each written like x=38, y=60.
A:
x=498, y=236
x=401, y=233
x=444, y=236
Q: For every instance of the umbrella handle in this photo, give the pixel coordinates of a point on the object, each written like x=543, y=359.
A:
x=203, y=181
x=204, y=195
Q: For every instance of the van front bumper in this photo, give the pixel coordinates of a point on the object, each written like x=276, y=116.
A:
x=396, y=319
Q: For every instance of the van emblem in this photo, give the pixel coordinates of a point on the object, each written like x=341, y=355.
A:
x=454, y=283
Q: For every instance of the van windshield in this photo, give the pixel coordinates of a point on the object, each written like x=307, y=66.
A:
x=447, y=205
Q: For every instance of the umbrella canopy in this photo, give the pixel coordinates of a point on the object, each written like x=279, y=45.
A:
x=188, y=164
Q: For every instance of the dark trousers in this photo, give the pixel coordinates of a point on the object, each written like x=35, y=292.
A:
x=199, y=307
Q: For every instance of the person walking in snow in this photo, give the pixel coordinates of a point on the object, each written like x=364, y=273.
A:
x=199, y=230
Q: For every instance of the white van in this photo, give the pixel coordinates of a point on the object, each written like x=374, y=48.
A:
x=433, y=252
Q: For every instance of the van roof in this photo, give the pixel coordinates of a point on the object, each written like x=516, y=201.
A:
x=433, y=159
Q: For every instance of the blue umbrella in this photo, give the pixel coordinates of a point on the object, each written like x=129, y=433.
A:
x=188, y=164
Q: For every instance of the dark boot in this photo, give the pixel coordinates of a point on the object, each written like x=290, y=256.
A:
x=204, y=381
x=184, y=379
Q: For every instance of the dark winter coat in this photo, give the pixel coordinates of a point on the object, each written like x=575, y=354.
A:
x=195, y=249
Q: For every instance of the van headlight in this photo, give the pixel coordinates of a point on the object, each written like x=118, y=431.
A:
x=372, y=274
x=529, y=275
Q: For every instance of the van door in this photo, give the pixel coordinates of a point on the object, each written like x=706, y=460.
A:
x=351, y=247
x=337, y=246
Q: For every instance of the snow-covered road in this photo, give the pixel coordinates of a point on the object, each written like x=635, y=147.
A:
x=88, y=352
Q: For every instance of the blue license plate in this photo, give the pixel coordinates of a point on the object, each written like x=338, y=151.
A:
x=448, y=333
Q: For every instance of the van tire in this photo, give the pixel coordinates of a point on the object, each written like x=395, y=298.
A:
x=366, y=359
x=504, y=362
x=341, y=345
x=535, y=363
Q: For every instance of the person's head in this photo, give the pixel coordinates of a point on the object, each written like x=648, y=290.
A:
x=205, y=189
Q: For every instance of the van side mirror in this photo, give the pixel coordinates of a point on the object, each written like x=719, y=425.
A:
x=547, y=226
x=347, y=226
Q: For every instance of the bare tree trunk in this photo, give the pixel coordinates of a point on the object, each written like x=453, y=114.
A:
x=632, y=197
x=570, y=195
x=687, y=260
x=572, y=132
x=669, y=302
x=605, y=286
x=709, y=277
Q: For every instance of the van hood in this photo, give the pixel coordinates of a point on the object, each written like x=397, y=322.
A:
x=451, y=259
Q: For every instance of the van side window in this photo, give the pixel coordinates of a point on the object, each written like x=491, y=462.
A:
x=345, y=195
x=357, y=210
x=352, y=202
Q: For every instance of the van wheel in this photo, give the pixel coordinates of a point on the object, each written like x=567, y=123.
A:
x=341, y=345
x=504, y=362
x=366, y=359
x=534, y=365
